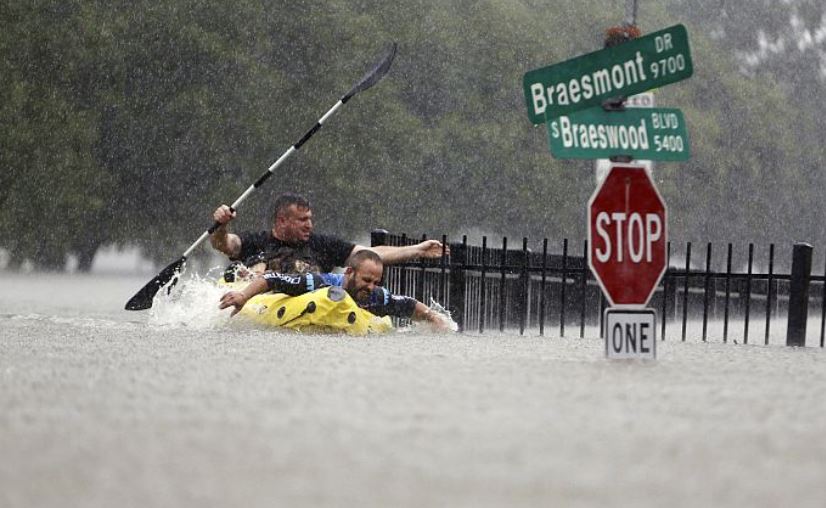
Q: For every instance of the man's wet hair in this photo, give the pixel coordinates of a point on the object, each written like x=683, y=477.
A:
x=355, y=260
x=286, y=200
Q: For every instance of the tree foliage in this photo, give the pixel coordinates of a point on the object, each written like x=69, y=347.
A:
x=127, y=123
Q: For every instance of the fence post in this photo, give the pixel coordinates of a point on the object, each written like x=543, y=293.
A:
x=378, y=237
x=524, y=288
x=799, y=294
x=458, y=256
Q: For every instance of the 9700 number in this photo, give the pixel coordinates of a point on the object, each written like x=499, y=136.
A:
x=669, y=143
x=666, y=66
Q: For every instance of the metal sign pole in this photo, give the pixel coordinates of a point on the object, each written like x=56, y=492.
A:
x=631, y=12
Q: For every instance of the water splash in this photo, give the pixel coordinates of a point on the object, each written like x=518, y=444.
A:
x=427, y=327
x=444, y=314
x=193, y=303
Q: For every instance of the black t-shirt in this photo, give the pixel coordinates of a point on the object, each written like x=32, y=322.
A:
x=321, y=253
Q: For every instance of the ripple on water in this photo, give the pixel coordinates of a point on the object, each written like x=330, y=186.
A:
x=70, y=321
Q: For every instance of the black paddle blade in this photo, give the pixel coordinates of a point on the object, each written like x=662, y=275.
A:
x=143, y=298
x=375, y=74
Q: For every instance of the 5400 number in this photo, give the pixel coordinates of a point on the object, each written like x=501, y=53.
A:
x=669, y=143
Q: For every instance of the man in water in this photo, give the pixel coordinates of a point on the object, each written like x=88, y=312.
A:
x=360, y=280
x=291, y=246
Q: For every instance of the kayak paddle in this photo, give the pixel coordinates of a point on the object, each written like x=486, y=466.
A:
x=143, y=299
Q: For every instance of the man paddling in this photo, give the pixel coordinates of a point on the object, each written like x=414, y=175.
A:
x=360, y=280
x=291, y=246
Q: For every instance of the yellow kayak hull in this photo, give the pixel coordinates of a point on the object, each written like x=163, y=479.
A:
x=325, y=310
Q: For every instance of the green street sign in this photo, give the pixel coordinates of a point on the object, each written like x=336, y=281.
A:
x=657, y=134
x=638, y=65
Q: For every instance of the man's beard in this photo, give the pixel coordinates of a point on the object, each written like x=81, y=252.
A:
x=360, y=296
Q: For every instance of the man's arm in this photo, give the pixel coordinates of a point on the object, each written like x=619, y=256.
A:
x=384, y=303
x=291, y=284
x=222, y=240
x=237, y=299
x=427, y=249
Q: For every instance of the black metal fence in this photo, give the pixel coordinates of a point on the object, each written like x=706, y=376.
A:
x=500, y=288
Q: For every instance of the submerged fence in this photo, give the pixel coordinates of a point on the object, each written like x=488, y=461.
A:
x=502, y=288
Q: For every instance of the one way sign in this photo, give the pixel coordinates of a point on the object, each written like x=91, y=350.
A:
x=630, y=333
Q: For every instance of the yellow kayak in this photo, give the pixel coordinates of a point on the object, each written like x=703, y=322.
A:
x=325, y=310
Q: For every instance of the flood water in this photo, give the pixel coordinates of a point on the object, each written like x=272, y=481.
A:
x=179, y=406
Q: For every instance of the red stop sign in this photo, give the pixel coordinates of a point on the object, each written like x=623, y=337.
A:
x=627, y=236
